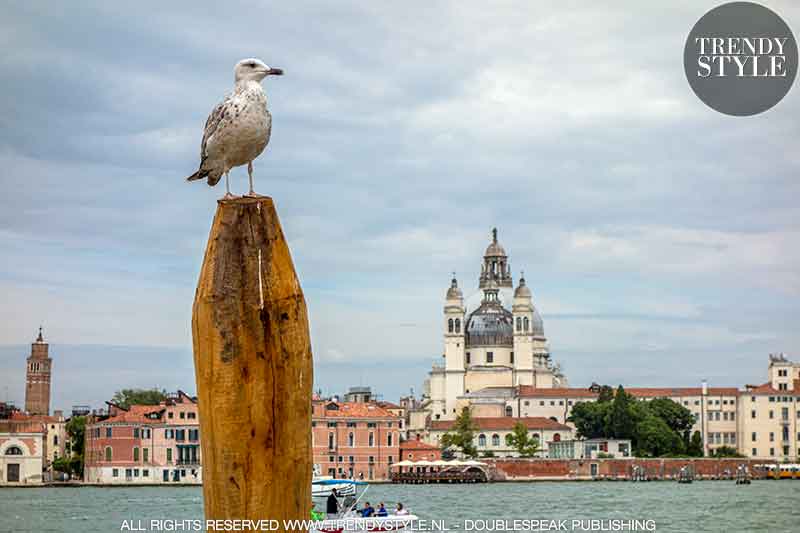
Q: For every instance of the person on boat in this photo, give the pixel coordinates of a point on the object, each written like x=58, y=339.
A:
x=382, y=510
x=400, y=509
x=332, y=505
x=368, y=510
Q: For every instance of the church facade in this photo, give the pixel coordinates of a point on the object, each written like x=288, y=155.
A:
x=494, y=342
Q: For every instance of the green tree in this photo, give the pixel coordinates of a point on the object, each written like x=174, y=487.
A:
x=726, y=451
x=695, y=447
x=462, y=435
x=524, y=444
x=589, y=419
x=654, y=438
x=621, y=421
x=606, y=394
x=127, y=397
x=677, y=417
x=76, y=429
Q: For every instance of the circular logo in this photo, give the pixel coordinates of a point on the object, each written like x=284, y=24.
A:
x=740, y=58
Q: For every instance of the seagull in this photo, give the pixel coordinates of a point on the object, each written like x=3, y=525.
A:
x=238, y=129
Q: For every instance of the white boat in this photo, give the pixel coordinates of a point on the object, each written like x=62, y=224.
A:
x=322, y=486
x=349, y=519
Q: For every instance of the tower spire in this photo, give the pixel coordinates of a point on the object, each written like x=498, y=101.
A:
x=40, y=338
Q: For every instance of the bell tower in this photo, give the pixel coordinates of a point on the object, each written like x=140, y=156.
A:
x=37, y=382
x=495, y=265
x=454, y=347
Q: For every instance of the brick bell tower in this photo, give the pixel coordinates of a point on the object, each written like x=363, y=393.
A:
x=37, y=382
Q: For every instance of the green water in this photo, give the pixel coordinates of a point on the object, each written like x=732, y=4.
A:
x=718, y=506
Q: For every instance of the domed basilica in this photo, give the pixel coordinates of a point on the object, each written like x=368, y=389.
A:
x=489, y=349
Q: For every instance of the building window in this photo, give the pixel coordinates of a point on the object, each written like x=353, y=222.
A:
x=509, y=411
x=351, y=424
x=755, y=452
x=145, y=454
x=389, y=439
x=771, y=414
x=136, y=454
x=169, y=455
x=753, y=436
x=331, y=441
x=495, y=440
x=115, y=472
x=135, y=433
x=450, y=326
x=371, y=439
x=489, y=357
x=191, y=415
x=481, y=440
x=771, y=436
x=331, y=424
x=519, y=324
x=145, y=472
x=526, y=403
x=512, y=358
x=108, y=432
x=351, y=440
x=772, y=451
x=468, y=358
x=752, y=414
x=458, y=325
x=108, y=454
x=169, y=415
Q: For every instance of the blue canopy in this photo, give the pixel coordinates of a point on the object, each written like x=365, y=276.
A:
x=338, y=482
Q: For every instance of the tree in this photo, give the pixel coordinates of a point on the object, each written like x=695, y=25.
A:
x=589, y=419
x=621, y=422
x=76, y=429
x=526, y=446
x=126, y=397
x=606, y=394
x=654, y=438
x=726, y=451
x=677, y=417
x=462, y=435
x=695, y=447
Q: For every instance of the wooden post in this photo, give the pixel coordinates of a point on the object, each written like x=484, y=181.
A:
x=253, y=365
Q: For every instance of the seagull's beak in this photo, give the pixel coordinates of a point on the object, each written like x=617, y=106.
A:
x=275, y=72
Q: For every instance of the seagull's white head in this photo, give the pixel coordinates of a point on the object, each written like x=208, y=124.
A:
x=254, y=70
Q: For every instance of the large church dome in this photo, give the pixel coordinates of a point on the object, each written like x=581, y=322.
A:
x=490, y=324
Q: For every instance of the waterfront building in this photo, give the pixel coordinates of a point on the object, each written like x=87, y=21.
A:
x=494, y=342
x=22, y=452
x=418, y=450
x=37, y=380
x=492, y=433
x=590, y=449
x=769, y=414
x=55, y=436
x=145, y=444
x=357, y=440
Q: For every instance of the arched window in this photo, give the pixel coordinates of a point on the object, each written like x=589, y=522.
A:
x=557, y=437
x=351, y=440
x=14, y=450
x=481, y=440
x=495, y=440
x=535, y=436
x=372, y=439
x=519, y=324
x=458, y=325
x=330, y=441
x=525, y=323
x=509, y=411
x=108, y=454
x=450, y=326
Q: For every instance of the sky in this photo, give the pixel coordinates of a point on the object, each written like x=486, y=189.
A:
x=659, y=237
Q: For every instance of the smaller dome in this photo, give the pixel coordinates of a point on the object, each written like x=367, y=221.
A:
x=454, y=293
x=522, y=290
x=537, y=325
x=494, y=249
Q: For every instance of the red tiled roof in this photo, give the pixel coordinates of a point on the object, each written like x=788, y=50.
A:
x=503, y=423
x=388, y=405
x=134, y=414
x=355, y=410
x=529, y=391
x=21, y=426
x=663, y=392
x=416, y=445
x=18, y=415
x=767, y=388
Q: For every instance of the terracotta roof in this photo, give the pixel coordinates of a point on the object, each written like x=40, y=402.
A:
x=417, y=445
x=503, y=423
x=662, y=392
x=767, y=388
x=354, y=410
x=528, y=391
x=21, y=426
x=388, y=405
x=135, y=414
x=18, y=415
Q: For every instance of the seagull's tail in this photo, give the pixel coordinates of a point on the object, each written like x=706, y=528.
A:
x=213, y=175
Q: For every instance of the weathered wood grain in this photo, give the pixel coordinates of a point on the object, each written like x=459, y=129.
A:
x=253, y=366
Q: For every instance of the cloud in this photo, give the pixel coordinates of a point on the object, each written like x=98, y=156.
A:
x=657, y=228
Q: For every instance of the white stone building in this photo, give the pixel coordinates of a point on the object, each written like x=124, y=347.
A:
x=491, y=346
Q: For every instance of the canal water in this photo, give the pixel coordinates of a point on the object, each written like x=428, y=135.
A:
x=718, y=506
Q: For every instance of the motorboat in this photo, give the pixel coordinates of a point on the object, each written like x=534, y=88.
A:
x=349, y=518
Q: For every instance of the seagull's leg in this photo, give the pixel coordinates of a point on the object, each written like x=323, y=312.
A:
x=228, y=194
x=250, y=173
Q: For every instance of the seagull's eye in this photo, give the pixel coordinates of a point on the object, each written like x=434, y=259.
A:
x=253, y=65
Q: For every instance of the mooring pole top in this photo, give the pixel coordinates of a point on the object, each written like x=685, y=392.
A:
x=244, y=200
